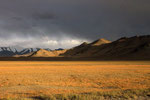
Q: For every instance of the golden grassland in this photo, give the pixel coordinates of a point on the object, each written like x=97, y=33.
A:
x=29, y=79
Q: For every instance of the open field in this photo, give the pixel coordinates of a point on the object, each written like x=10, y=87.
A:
x=96, y=80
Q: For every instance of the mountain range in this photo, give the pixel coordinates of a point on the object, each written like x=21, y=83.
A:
x=137, y=47
x=12, y=51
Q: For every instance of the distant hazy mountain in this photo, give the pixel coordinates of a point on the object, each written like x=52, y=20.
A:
x=16, y=47
x=59, y=49
x=16, y=50
x=7, y=51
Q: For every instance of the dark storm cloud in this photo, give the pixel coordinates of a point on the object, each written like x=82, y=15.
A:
x=43, y=16
x=65, y=23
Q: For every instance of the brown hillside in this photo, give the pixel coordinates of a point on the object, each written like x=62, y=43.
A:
x=137, y=47
x=24, y=55
x=43, y=53
x=100, y=42
x=82, y=49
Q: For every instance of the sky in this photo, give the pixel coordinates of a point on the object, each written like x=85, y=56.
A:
x=67, y=23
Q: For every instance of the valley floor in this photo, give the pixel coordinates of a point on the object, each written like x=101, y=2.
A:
x=86, y=80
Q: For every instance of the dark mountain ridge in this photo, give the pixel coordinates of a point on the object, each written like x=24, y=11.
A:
x=135, y=48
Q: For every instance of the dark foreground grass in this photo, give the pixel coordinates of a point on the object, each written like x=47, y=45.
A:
x=109, y=95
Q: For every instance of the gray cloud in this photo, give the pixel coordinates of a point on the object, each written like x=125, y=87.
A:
x=43, y=16
x=66, y=23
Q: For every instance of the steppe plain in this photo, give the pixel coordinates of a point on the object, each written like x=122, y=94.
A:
x=74, y=80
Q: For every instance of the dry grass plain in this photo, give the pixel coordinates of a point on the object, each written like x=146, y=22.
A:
x=75, y=80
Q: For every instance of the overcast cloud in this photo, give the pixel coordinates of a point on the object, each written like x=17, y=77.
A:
x=67, y=23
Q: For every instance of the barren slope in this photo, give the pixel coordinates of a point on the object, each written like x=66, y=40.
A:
x=137, y=47
x=82, y=49
x=45, y=53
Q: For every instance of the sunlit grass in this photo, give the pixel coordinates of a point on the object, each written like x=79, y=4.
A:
x=83, y=80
